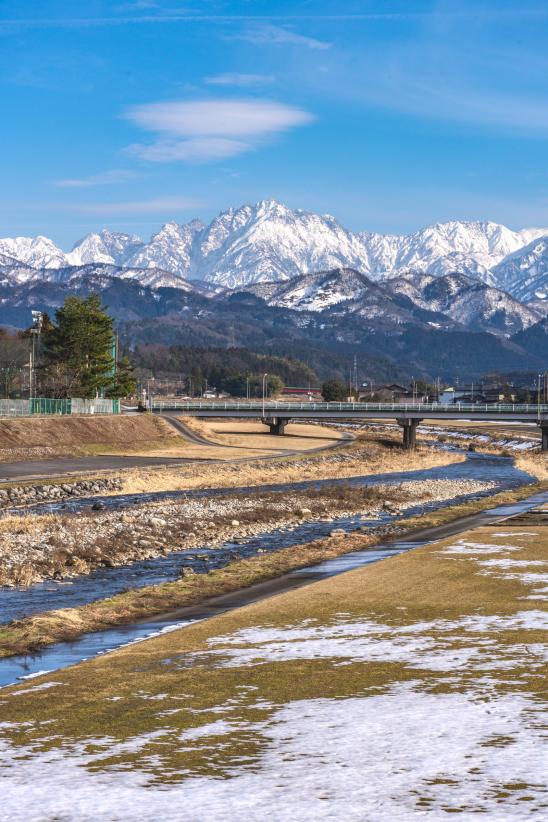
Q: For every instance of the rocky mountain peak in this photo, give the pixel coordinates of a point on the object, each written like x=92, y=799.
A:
x=270, y=241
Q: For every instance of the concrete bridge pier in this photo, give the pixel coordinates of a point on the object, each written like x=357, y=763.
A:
x=409, y=427
x=544, y=436
x=276, y=425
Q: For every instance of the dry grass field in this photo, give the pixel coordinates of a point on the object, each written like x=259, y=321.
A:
x=151, y=436
x=534, y=464
x=366, y=455
x=236, y=439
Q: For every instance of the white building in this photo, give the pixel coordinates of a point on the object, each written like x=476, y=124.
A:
x=451, y=395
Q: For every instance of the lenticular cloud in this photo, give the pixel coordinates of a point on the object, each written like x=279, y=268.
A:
x=209, y=129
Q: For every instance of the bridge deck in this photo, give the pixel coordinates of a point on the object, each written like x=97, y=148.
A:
x=358, y=410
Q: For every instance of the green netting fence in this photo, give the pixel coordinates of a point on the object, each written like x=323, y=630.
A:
x=47, y=406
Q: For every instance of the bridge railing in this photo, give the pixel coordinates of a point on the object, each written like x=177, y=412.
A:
x=286, y=408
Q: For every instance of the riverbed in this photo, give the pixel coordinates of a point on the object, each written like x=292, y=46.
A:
x=104, y=582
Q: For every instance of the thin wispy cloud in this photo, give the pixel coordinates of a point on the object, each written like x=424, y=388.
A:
x=495, y=14
x=280, y=36
x=440, y=87
x=461, y=101
x=206, y=130
x=104, y=178
x=157, y=205
x=138, y=5
x=236, y=79
x=450, y=69
x=197, y=150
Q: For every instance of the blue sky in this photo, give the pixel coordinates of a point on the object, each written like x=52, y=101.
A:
x=389, y=115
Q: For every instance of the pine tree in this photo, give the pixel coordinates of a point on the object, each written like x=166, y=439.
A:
x=77, y=350
x=124, y=382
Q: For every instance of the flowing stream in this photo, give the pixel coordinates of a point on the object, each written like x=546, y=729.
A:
x=104, y=582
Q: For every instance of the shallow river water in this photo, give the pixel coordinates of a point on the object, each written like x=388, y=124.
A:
x=104, y=582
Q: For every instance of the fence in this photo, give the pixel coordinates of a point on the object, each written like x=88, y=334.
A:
x=57, y=407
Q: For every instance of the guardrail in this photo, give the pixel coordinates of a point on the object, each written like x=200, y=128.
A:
x=270, y=407
x=48, y=406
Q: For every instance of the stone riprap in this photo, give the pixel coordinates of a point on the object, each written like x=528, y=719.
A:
x=28, y=494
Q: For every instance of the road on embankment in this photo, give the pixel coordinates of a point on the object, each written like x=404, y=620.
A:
x=25, y=470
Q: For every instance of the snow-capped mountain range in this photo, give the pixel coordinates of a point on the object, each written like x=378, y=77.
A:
x=270, y=241
x=458, y=269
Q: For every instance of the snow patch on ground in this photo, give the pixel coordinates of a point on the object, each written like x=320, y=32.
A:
x=400, y=755
x=440, y=645
x=463, y=547
x=512, y=563
x=44, y=686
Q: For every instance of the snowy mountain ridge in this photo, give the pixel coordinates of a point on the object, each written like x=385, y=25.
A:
x=455, y=297
x=270, y=242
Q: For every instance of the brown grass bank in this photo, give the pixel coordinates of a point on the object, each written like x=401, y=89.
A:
x=46, y=437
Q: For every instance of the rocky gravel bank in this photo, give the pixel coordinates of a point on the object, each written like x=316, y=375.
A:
x=33, y=548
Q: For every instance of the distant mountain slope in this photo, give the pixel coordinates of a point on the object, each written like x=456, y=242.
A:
x=473, y=304
x=72, y=274
x=525, y=272
x=110, y=247
x=126, y=299
x=414, y=298
x=39, y=252
x=534, y=340
x=345, y=291
x=272, y=242
x=389, y=347
x=5, y=260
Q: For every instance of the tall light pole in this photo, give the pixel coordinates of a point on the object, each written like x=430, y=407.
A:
x=149, y=396
x=264, y=389
x=37, y=319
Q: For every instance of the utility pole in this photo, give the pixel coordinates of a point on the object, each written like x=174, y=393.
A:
x=355, y=374
x=264, y=389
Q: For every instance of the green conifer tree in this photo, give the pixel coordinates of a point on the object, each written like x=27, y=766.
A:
x=77, y=352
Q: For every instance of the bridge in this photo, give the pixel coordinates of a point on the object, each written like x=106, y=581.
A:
x=277, y=414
